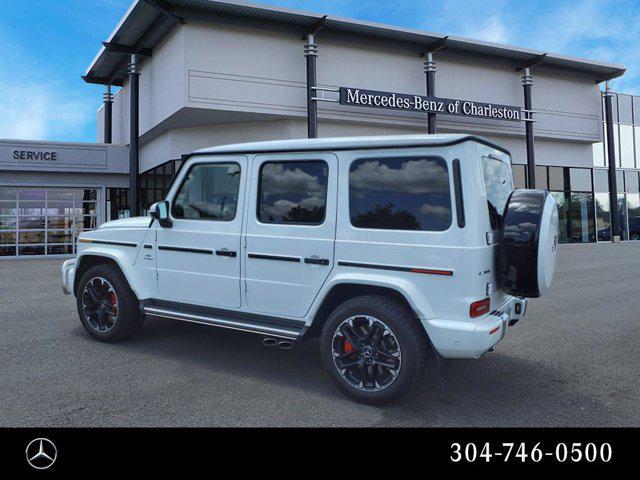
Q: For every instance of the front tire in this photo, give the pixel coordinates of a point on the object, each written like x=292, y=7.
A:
x=373, y=348
x=107, y=306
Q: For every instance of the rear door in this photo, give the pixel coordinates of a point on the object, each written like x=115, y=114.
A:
x=198, y=260
x=290, y=231
x=498, y=185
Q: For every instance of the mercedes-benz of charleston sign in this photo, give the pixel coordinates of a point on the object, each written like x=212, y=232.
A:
x=359, y=97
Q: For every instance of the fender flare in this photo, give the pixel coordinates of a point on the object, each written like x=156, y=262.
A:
x=118, y=257
x=414, y=297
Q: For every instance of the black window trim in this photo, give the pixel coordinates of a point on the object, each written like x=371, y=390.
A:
x=186, y=176
x=292, y=160
x=412, y=155
x=457, y=190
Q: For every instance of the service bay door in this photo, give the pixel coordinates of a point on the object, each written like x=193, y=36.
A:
x=198, y=257
x=290, y=231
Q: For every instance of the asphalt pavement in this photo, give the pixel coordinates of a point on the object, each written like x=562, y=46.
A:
x=573, y=361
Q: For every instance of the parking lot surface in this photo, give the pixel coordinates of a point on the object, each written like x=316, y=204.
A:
x=573, y=361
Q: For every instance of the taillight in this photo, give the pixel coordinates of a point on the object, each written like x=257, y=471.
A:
x=480, y=308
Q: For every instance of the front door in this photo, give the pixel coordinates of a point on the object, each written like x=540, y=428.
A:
x=290, y=231
x=198, y=257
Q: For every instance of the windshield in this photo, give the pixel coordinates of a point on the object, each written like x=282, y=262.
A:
x=498, y=182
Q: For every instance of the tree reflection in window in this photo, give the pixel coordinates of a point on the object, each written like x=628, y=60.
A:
x=400, y=193
x=293, y=192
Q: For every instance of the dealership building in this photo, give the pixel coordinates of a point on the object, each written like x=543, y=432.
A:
x=181, y=75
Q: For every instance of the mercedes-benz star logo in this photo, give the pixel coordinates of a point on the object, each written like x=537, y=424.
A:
x=41, y=453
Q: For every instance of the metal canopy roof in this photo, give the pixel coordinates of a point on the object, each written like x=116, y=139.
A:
x=147, y=21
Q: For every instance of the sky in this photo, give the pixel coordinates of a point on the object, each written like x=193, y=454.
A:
x=46, y=45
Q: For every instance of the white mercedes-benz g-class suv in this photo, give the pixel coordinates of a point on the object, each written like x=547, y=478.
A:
x=384, y=247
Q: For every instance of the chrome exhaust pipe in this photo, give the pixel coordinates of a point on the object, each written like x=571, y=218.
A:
x=269, y=342
x=285, y=344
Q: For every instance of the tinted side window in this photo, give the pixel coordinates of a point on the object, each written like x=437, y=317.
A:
x=209, y=191
x=293, y=192
x=407, y=193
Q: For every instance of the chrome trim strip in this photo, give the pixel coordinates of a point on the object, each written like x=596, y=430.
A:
x=218, y=322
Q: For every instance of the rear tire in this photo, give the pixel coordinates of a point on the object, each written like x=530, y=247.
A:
x=108, y=308
x=381, y=345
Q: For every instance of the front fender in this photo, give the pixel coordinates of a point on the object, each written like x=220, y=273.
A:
x=414, y=296
x=125, y=261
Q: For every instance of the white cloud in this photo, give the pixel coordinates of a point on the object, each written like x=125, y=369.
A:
x=492, y=30
x=41, y=111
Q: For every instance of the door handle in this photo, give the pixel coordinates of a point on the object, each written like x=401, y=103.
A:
x=226, y=253
x=316, y=261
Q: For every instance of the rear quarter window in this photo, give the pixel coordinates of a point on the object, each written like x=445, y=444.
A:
x=498, y=182
x=400, y=193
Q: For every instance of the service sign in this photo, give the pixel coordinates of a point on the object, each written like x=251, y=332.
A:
x=359, y=97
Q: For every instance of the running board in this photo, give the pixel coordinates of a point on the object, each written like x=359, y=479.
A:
x=230, y=320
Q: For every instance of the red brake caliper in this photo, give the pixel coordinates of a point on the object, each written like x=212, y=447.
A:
x=348, y=348
x=113, y=298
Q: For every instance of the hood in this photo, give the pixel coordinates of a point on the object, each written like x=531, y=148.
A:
x=132, y=222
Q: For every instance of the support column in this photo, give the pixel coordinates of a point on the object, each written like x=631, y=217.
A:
x=311, y=52
x=430, y=72
x=527, y=85
x=108, y=115
x=134, y=111
x=611, y=156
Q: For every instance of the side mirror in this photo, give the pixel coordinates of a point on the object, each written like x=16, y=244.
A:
x=160, y=211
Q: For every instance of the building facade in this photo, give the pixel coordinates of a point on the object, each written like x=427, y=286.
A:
x=199, y=73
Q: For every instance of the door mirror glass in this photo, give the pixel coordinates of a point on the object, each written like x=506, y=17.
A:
x=160, y=212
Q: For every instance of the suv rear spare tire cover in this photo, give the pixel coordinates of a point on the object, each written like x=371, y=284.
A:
x=529, y=243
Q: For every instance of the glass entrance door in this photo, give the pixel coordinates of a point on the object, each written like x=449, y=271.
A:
x=45, y=221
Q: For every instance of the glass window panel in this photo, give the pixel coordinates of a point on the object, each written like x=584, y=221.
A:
x=633, y=214
x=616, y=143
x=87, y=222
x=59, y=194
x=8, y=223
x=8, y=193
x=556, y=178
x=31, y=194
x=631, y=182
x=626, y=146
x=619, y=181
x=7, y=236
x=59, y=222
x=293, y=192
x=636, y=110
x=59, y=211
x=581, y=209
x=59, y=236
x=8, y=208
x=603, y=217
x=31, y=236
x=401, y=193
x=541, y=178
x=86, y=194
x=563, y=216
x=614, y=104
x=519, y=176
x=209, y=192
x=88, y=208
x=622, y=216
x=580, y=179
x=59, y=204
x=598, y=154
x=31, y=223
x=624, y=108
x=7, y=251
x=31, y=250
x=30, y=210
x=601, y=180
x=59, y=249
x=498, y=186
